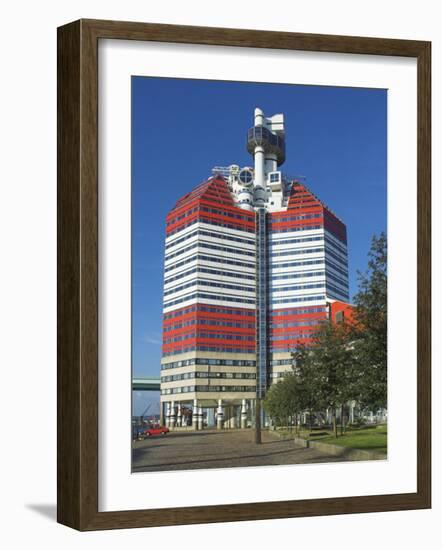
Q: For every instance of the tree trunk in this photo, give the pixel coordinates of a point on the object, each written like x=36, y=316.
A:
x=342, y=419
x=335, y=423
x=258, y=421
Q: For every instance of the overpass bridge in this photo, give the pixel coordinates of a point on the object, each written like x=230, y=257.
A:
x=146, y=383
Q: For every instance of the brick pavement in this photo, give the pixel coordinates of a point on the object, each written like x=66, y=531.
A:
x=219, y=449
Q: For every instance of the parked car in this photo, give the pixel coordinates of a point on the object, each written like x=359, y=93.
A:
x=156, y=430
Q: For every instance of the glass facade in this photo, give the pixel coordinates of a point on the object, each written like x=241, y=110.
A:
x=261, y=302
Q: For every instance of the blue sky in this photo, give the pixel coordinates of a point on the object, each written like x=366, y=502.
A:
x=336, y=137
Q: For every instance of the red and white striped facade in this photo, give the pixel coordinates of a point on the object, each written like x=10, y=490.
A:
x=212, y=293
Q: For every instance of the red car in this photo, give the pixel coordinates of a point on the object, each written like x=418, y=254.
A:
x=156, y=430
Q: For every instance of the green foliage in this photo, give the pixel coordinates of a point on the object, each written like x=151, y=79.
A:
x=327, y=366
x=345, y=362
x=282, y=399
x=370, y=331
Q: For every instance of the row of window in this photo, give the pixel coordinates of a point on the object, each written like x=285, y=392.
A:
x=338, y=295
x=213, y=259
x=236, y=299
x=227, y=375
x=337, y=244
x=317, y=261
x=243, y=276
x=204, y=244
x=282, y=348
x=337, y=255
x=211, y=322
x=199, y=269
x=203, y=361
x=293, y=241
x=216, y=223
x=291, y=229
x=212, y=335
x=205, y=282
x=312, y=323
x=339, y=280
x=336, y=268
x=216, y=349
x=209, y=234
x=317, y=285
x=337, y=290
x=298, y=299
x=185, y=214
x=303, y=204
x=280, y=362
x=191, y=389
x=293, y=218
x=299, y=311
x=298, y=275
x=296, y=252
x=228, y=214
x=290, y=336
x=296, y=287
x=210, y=309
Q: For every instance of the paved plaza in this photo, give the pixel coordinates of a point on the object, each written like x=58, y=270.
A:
x=219, y=449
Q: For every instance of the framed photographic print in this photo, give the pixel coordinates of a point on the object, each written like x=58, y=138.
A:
x=243, y=275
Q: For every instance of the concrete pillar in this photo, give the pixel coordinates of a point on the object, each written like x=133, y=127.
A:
x=243, y=414
x=172, y=417
x=179, y=416
x=252, y=412
x=162, y=414
x=195, y=414
x=219, y=415
x=200, y=418
x=259, y=153
x=259, y=166
x=231, y=417
x=167, y=414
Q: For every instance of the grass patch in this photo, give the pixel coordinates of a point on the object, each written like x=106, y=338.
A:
x=368, y=438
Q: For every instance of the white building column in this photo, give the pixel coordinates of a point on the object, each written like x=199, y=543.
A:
x=243, y=414
x=162, y=414
x=259, y=153
x=200, y=418
x=219, y=415
x=172, y=417
x=179, y=416
x=195, y=414
x=167, y=417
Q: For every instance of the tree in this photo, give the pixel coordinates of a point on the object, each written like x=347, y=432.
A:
x=310, y=381
x=370, y=329
x=345, y=361
x=326, y=369
x=282, y=400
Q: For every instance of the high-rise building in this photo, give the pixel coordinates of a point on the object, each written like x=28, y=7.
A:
x=253, y=262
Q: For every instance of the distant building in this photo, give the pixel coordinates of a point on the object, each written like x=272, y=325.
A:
x=253, y=260
x=340, y=312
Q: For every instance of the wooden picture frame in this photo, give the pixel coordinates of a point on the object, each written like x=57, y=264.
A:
x=78, y=274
